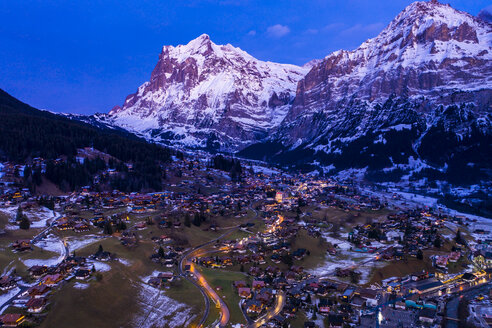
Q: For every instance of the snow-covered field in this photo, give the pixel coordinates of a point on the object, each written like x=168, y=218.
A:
x=158, y=310
x=39, y=217
x=75, y=243
x=99, y=266
x=50, y=243
x=346, y=258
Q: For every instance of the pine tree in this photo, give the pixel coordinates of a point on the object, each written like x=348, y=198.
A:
x=108, y=229
x=161, y=252
x=19, y=215
x=25, y=224
x=100, y=249
x=437, y=242
x=187, y=220
x=197, y=220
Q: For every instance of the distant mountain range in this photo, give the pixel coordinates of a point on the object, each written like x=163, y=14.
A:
x=416, y=98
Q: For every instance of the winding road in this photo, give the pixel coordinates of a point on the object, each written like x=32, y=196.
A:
x=205, y=288
x=272, y=312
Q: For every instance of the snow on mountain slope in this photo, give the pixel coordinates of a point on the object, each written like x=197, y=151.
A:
x=429, y=50
x=202, y=92
x=421, y=89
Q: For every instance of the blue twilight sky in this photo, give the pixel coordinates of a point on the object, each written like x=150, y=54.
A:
x=87, y=56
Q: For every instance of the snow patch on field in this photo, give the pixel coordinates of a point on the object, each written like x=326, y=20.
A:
x=265, y=170
x=81, y=242
x=52, y=244
x=80, y=285
x=39, y=217
x=125, y=262
x=346, y=258
x=4, y=298
x=100, y=266
x=158, y=310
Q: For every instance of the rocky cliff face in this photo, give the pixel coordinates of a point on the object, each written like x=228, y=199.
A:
x=425, y=79
x=429, y=54
x=202, y=94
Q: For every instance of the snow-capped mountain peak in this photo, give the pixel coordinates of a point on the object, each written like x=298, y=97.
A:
x=424, y=51
x=202, y=91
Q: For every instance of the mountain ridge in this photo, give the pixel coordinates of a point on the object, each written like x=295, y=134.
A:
x=202, y=91
x=425, y=77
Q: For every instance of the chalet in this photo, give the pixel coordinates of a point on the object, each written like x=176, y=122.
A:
x=258, y=284
x=255, y=271
x=81, y=227
x=64, y=224
x=227, y=261
x=37, y=291
x=64, y=268
x=244, y=292
x=290, y=277
x=36, y=305
x=12, y=319
x=254, y=306
x=275, y=258
x=177, y=224
x=82, y=274
x=370, y=296
x=239, y=284
x=357, y=301
x=264, y=297
x=280, y=282
x=272, y=271
x=166, y=276
x=163, y=239
x=37, y=270
x=22, y=245
x=441, y=261
x=98, y=221
x=129, y=240
x=52, y=280
x=7, y=282
x=75, y=260
x=278, y=321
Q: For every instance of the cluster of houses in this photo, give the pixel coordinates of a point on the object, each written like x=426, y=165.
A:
x=33, y=298
x=269, y=254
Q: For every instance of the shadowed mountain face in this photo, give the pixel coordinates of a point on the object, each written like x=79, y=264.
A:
x=421, y=90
